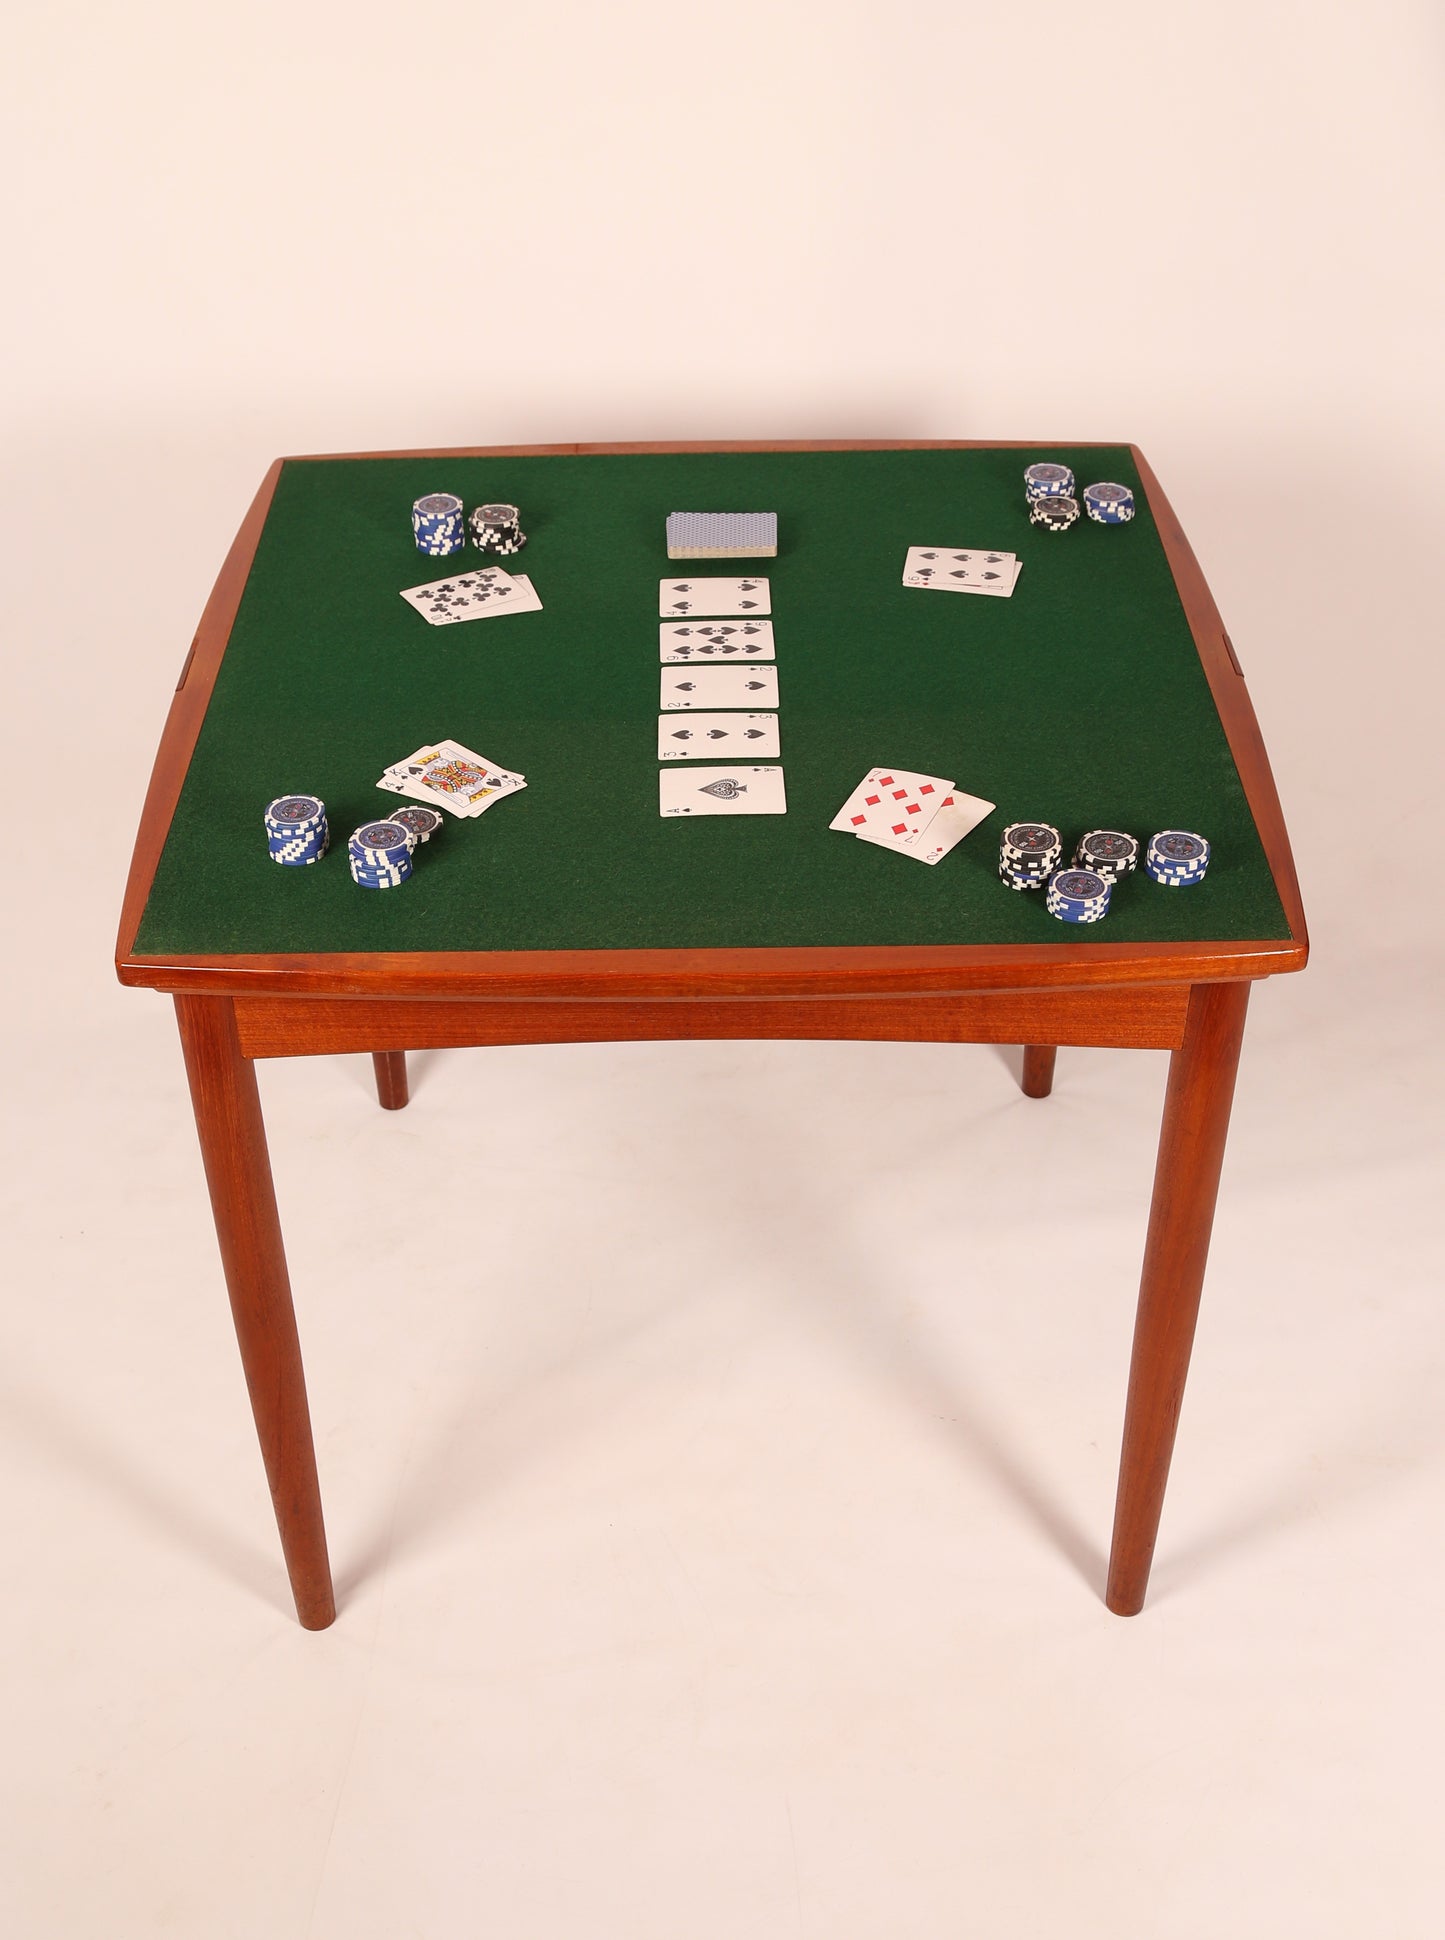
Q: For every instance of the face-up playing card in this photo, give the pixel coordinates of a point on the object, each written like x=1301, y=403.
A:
x=721, y=791
x=473, y=596
x=444, y=774
x=957, y=816
x=964, y=569
x=715, y=642
x=696, y=737
x=712, y=598
x=686, y=687
x=892, y=802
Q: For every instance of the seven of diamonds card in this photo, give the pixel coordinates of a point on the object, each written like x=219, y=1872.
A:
x=721, y=791
x=688, y=687
x=892, y=802
x=706, y=736
x=962, y=569
x=710, y=598
x=715, y=642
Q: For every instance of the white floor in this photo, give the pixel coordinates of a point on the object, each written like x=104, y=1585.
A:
x=718, y=1501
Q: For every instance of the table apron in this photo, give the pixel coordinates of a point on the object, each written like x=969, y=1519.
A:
x=1140, y=1016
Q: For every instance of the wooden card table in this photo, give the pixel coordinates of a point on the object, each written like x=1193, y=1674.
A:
x=1103, y=693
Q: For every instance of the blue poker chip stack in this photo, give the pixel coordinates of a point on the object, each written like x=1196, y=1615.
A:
x=1109, y=504
x=1048, y=481
x=380, y=854
x=1028, y=854
x=439, y=524
x=1108, y=852
x=1176, y=858
x=1078, y=896
x=296, y=831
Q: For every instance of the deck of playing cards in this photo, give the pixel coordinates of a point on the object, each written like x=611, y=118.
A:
x=444, y=774
x=918, y=815
x=478, y=595
x=962, y=569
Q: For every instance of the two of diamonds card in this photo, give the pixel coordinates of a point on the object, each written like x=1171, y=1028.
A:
x=962, y=569
x=923, y=816
x=692, y=737
x=715, y=642
x=473, y=596
x=444, y=774
x=712, y=599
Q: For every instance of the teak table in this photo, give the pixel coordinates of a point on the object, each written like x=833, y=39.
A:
x=299, y=647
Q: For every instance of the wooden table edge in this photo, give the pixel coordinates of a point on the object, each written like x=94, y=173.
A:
x=745, y=973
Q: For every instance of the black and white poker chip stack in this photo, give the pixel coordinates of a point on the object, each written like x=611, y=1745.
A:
x=1109, y=852
x=1028, y=854
x=497, y=528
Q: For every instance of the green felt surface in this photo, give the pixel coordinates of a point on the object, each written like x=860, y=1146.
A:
x=1080, y=701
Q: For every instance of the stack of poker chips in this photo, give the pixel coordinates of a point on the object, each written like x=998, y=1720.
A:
x=296, y=832
x=1078, y=895
x=380, y=854
x=1108, y=852
x=421, y=824
x=497, y=528
x=1109, y=504
x=1176, y=858
x=439, y=524
x=1028, y=854
x=1050, y=493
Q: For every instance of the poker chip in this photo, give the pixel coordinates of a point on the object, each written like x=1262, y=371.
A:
x=1176, y=858
x=1054, y=514
x=380, y=854
x=1109, y=504
x=1109, y=852
x=296, y=831
x=1078, y=896
x=1048, y=481
x=1025, y=848
x=497, y=528
x=438, y=524
x=420, y=823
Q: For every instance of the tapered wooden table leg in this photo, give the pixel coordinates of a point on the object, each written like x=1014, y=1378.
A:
x=1186, y=1183
x=1038, y=1079
x=391, y=1079
x=238, y=1173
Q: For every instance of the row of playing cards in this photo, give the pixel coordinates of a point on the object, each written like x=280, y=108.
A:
x=713, y=630
x=476, y=595
x=918, y=815
x=964, y=569
x=444, y=774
